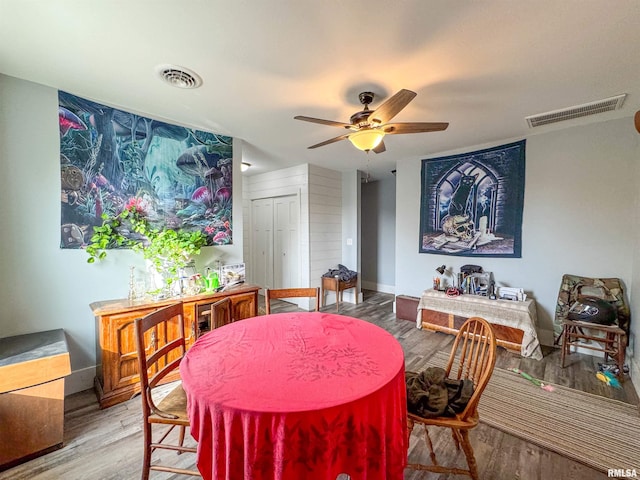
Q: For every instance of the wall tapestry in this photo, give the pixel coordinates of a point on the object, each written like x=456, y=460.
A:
x=110, y=158
x=471, y=204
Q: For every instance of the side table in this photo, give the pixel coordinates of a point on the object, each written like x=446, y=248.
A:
x=32, y=371
x=338, y=286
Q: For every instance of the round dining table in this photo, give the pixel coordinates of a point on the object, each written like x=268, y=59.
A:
x=297, y=396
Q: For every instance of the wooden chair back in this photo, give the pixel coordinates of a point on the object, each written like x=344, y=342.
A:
x=291, y=293
x=160, y=344
x=473, y=357
x=221, y=313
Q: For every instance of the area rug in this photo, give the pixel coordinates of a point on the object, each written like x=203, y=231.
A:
x=590, y=429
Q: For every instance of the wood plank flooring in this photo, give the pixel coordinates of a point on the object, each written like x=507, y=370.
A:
x=107, y=444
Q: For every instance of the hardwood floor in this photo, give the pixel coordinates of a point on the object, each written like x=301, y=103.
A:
x=107, y=444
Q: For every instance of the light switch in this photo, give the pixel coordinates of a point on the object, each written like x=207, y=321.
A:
x=349, y=241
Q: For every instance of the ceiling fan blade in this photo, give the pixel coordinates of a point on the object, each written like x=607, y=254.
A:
x=331, y=123
x=392, y=106
x=380, y=148
x=414, y=127
x=327, y=142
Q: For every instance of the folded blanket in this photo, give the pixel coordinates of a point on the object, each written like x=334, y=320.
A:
x=431, y=394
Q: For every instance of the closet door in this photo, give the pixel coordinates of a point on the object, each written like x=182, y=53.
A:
x=286, y=256
x=262, y=242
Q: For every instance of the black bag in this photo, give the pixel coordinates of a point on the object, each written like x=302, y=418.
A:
x=592, y=310
x=469, y=269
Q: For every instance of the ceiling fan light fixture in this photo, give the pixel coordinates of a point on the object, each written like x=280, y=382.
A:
x=366, y=139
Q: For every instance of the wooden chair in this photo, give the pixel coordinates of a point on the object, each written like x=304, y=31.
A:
x=270, y=294
x=609, y=339
x=161, y=346
x=472, y=357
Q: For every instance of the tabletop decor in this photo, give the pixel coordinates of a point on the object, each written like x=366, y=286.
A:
x=167, y=250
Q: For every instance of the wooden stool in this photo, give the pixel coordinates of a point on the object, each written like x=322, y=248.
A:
x=613, y=343
x=338, y=286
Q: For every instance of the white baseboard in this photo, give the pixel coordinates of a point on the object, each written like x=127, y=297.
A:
x=79, y=380
x=348, y=296
x=379, y=287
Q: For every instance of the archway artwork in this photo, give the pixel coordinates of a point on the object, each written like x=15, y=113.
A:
x=471, y=204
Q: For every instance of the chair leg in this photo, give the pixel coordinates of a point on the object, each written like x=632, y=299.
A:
x=622, y=346
x=565, y=345
x=434, y=460
x=181, y=439
x=468, y=451
x=455, y=433
x=410, y=425
x=146, y=457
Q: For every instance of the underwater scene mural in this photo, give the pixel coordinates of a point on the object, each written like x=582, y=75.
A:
x=180, y=177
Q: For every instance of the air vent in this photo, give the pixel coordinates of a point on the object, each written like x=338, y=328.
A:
x=179, y=76
x=600, y=106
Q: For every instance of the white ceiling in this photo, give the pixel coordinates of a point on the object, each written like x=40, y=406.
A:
x=480, y=65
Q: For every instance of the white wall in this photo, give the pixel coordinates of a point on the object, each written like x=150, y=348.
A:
x=320, y=192
x=351, y=233
x=286, y=181
x=634, y=339
x=325, y=222
x=45, y=287
x=578, y=216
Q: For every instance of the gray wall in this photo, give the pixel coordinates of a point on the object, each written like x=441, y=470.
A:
x=43, y=286
x=378, y=234
x=351, y=232
x=579, y=216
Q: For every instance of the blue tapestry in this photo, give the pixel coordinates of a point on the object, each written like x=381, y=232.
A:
x=471, y=204
x=110, y=159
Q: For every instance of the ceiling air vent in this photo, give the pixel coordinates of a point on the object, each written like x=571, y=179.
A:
x=591, y=108
x=179, y=76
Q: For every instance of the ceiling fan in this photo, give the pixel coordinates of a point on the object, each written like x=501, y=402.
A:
x=368, y=127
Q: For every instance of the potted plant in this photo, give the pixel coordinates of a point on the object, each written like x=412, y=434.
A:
x=168, y=250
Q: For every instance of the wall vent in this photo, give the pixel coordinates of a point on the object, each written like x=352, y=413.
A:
x=591, y=108
x=179, y=76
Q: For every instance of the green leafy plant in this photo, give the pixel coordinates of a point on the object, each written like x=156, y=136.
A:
x=169, y=250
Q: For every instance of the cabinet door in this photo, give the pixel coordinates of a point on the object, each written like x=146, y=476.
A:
x=190, y=311
x=244, y=305
x=119, y=354
x=286, y=249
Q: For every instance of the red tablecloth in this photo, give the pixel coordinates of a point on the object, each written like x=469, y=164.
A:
x=297, y=396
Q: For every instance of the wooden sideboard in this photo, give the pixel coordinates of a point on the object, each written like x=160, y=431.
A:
x=117, y=376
